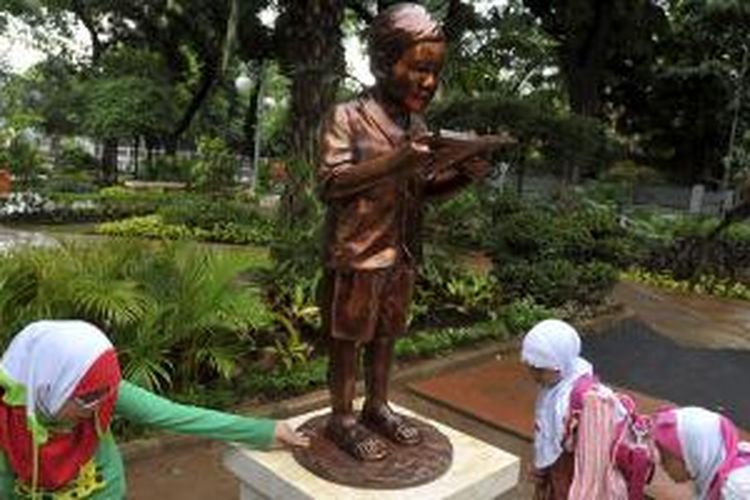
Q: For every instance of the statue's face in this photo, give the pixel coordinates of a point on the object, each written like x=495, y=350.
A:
x=415, y=75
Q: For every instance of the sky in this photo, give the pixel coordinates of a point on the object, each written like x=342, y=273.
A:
x=18, y=53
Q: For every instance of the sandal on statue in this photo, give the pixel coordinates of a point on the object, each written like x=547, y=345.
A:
x=357, y=441
x=390, y=424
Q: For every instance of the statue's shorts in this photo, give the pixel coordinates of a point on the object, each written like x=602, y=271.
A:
x=360, y=305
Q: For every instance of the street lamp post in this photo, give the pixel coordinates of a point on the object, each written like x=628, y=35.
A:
x=244, y=85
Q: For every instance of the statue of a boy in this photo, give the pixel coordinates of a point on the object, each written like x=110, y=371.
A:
x=374, y=175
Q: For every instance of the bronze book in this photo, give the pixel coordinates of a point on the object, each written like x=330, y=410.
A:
x=451, y=148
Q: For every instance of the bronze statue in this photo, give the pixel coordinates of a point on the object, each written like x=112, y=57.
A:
x=378, y=164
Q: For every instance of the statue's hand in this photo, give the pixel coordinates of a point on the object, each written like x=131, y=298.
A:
x=415, y=154
x=285, y=436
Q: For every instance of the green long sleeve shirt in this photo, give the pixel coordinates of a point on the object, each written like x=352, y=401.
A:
x=146, y=408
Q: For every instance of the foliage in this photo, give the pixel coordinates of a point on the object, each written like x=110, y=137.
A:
x=206, y=213
x=459, y=220
x=704, y=285
x=692, y=256
x=154, y=226
x=547, y=138
x=558, y=255
x=125, y=107
x=216, y=167
x=310, y=374
x=435, y=342
x=600, y=47
x=68, y=207
x=176, y=313
x=292, y=283
x=20, y=155
x=167, y=168
x=521, y=314
x=681, y=116
x=72, y=157
x=447, y=292
x=505, y=50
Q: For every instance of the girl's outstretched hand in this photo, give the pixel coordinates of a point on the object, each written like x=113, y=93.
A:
x=287, y=437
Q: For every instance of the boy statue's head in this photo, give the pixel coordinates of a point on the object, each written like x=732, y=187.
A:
x=407, y=48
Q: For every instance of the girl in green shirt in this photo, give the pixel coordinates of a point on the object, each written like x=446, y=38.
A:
x=60, y=385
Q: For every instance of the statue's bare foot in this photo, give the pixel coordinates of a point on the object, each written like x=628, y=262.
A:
x=356, y=440
x=390, y=424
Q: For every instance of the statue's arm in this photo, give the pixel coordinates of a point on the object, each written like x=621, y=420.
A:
x=340, y=173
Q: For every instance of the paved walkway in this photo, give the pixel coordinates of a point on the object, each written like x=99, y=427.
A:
x=690, y=320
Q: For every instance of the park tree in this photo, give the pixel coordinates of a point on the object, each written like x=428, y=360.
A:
x=504, y=51
x=600, y=44
x=690, y=117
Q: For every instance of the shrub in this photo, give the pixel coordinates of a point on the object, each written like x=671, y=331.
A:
x=72, y=182
x=167, y=168
x=558, y=256
x=521, y=314
x=459, y=220
x=176, y=313
x=154, y=226
x=21, y=156
x=704, y=284
x=74, y=158
x=215, y=170
x=206, y=213
x=448, y=292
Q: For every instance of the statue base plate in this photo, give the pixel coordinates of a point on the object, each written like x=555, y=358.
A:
x=478, y=471
x=405, y=466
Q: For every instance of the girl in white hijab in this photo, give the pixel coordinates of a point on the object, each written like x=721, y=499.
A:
x=700, y=445
x=579, y=423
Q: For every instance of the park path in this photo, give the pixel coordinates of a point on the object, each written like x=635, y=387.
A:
x=690, y=320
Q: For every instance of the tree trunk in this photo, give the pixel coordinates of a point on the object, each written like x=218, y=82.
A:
x=313, y=53
x=584, y=63
x=136, y=154
x=208, y=78
x=109, y=162
x=250, y=122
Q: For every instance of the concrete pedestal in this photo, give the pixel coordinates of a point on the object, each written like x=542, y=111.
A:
x=479, y=471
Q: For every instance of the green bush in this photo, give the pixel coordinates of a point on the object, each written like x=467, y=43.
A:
x=448, y=292
x=176, y=313
x=704, y=284
x=154, y=226
x=556, y=255
x=167, y=168
x=283, y=382
x=71, y=182
x=521, y=314
x=459, y=220
x=216, y=168
x=74, y=158
x=22, y=157
x=206, y=213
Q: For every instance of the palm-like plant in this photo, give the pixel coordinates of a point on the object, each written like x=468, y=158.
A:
x=175, y=312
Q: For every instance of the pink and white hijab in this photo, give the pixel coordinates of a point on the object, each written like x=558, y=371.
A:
x=554, y=345
x=707, y=442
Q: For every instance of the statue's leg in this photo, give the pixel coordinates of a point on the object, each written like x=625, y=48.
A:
x=343, y=427
x=376, y=413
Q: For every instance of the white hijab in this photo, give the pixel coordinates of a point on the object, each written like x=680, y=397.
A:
x=555, y=345
x=699, y=433
x=49, y=359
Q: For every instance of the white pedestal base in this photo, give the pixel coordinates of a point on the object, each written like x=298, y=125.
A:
x=479, y=471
